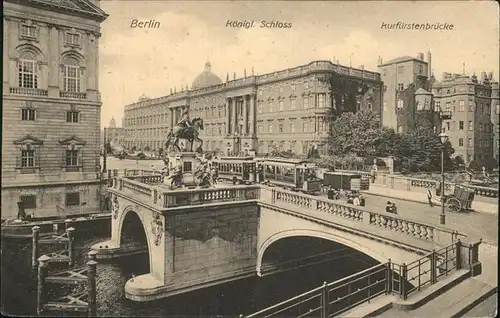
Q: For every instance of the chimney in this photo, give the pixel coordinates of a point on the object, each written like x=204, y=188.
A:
x=429, y=62
x=245, y=72
x=234, y=75
x=379, y=60
x=227, y=77
x=170, y=91
x=483, y=76
x=490, y=75
x=420, y=56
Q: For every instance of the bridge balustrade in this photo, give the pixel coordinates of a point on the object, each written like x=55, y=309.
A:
x=307, y=204
x=405, y=183
x=209, y=195
x=335, y=298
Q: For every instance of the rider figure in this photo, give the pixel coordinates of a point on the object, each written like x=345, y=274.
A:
x=185, y=120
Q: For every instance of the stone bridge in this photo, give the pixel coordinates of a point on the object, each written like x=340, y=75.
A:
x=200, y=237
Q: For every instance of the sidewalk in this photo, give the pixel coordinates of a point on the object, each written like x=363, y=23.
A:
x=421, y=197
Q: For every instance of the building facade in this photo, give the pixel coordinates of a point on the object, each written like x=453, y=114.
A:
x=115, y=135
x=283, y=110
x=403, y=76
x=473, y=115
x=51, y=106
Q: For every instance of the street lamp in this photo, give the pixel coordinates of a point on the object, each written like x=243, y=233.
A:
x=443, y=137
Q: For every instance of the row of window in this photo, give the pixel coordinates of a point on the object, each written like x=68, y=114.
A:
x=30, y=32
x=30, y=114
x=28, y=159
x=71, y=199
x=220, y=111
x=28, y=74
x=484, y=108
x=481, y=143
x=306, y=127
x=486, y=127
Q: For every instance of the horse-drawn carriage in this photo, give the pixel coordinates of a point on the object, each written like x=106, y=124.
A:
x=460, y=200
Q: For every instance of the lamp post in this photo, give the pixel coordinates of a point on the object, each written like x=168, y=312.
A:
x=443, y=137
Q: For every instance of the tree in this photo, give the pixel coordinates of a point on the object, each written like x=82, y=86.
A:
x=420, y=150
x=388, y=143
x=354, y=133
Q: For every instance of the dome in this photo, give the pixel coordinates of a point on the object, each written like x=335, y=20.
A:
x=206, y=78
x=112, y=123
x=143, y=98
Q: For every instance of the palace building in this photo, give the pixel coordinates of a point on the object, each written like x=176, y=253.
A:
x=51, y=107
x=283, y=110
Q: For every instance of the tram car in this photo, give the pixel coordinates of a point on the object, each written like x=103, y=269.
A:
x=293, y=174
x=243, y=168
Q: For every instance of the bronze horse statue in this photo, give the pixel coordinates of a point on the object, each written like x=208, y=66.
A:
x=189, y=133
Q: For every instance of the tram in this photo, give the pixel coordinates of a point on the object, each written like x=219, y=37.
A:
x=293, y=174
x=243, y=168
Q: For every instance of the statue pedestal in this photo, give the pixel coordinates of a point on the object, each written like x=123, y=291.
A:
x=188, y=163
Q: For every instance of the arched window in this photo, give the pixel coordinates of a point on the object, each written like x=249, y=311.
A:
x=27, y=70
x=71, y=75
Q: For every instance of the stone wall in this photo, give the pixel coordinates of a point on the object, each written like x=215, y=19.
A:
x=47, y=197
x=210, y=244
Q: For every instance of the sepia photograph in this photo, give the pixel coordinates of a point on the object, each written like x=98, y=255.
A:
x=253, y=159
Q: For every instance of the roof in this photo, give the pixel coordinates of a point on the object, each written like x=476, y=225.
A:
x=76, y=6
x=422, y=91
x=401, y=60
x=206, y=78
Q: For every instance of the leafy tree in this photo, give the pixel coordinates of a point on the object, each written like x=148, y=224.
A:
x=420, y=150
x=354, y=134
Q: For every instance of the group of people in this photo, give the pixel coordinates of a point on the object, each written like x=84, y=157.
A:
x=353, y=197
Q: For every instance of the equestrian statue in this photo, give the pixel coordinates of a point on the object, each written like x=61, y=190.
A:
x=185, y=129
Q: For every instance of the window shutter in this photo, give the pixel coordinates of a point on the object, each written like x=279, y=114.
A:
x=80, y=117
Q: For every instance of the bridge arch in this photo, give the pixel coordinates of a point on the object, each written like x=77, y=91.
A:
x=315, y=234
x=130, y=215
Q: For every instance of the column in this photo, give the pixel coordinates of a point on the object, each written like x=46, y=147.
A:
x=245, y=115
x=228, y=115
x=252, y=115
x=6, y=58
x=54, y=70
x=235, y=116
x=91, y=62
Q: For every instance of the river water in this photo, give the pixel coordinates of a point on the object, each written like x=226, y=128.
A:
x=244, y=296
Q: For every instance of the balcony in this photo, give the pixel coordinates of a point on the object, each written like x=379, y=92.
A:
x=73, y=95
x=21, y=91
x=445, y=114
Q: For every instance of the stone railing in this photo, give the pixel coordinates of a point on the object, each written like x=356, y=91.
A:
x=73, y=95
x=302, y=203
x=209, y=195
x=144, y=188
x=133, y=187
x=408, y=184
x=28, y=91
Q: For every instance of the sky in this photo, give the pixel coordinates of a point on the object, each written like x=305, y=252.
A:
x=151, y=61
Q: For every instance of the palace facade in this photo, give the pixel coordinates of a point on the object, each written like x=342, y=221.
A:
x=283, y=110
x=51, y=107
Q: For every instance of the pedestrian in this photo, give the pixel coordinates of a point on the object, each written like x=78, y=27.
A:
x=361, y=200
x=356, y=201
x=429, y=197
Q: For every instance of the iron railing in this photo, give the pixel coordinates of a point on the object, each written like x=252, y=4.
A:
x=337, y=297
